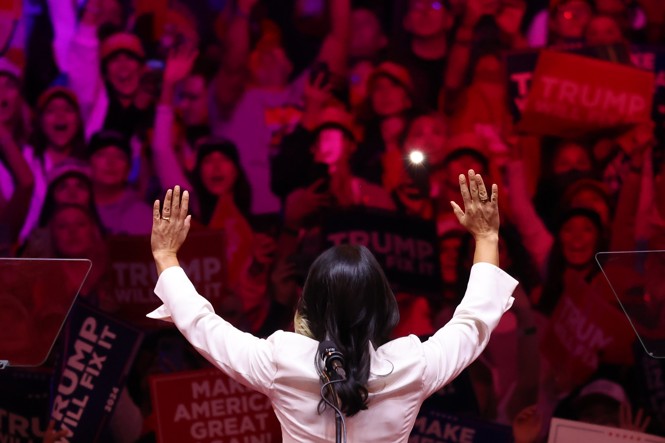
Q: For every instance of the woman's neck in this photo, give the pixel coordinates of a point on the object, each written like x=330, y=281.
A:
x=339, y=170
x=57, y=155
x=225, y=199
x=341, y=186
x=225, y=209
x=577, y=273
x=392, y=128
x=125, y=100
x=105, y=195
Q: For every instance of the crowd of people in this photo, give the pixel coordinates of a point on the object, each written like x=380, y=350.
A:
x=276, y=115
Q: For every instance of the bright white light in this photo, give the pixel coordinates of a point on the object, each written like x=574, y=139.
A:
x=416, y=157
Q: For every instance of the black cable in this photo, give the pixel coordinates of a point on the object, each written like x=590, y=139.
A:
x=329, y=384
x=340, y=416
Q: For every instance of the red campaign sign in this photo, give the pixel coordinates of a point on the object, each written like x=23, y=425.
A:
x=133, y=273
x=11, y=7
x=586, y=329
x=573, y=96
x=206, y=406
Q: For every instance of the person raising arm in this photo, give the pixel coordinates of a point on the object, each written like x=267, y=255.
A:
x=481, y=219
x=346, y=300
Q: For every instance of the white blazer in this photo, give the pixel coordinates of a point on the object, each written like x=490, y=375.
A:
x=404, y=372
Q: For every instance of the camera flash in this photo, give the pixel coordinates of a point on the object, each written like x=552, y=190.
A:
x=416, y=157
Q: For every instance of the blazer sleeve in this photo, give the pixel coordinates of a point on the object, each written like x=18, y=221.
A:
x=456, y=345
x=243, y=357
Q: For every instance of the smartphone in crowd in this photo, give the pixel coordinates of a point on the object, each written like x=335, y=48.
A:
x=419, y=173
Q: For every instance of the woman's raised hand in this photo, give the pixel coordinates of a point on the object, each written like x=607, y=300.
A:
x=481, y=210
x=169, y=227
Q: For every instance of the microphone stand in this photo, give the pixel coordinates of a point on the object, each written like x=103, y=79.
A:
x=338, y=417
x=331, y=371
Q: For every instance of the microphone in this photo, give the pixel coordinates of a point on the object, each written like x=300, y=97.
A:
x=333, y=360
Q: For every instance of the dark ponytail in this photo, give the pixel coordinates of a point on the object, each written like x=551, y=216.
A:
x=347, y=299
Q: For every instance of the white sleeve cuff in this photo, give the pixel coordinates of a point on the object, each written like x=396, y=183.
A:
x=161, y=313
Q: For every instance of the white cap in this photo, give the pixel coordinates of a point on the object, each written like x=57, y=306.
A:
x=604, y=387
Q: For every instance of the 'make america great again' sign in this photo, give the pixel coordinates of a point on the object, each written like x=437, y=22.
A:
x=206, y=406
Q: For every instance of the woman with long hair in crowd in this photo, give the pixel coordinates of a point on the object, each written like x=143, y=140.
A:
x=56, y=137
x=579, y=237
x=385, y=115
x=224, y=202
x=348, y=302
x=219, y=180
x=223, y=194
x=58, y=133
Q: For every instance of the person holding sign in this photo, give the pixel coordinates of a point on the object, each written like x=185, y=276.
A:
x=348, y=307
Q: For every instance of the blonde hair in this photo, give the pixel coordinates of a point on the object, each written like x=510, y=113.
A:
x=301, y=325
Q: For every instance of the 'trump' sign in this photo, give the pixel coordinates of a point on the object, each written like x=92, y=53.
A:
x=99, y=352
x=572, y=95
x=405, y=247
x=134, y=275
